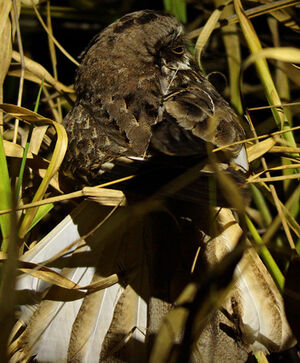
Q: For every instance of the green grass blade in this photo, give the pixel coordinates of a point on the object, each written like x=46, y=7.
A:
x=23, y=163
x=5, y=197
x=42, y=211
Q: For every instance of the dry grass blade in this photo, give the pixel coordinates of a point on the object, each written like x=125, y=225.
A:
x=272, y=179
x=15, y=71
x=276, y=222
x=287, y=18
x=36, y=72
x=258, y=150
x=52, y=37
x=56, y=160
x=255, y=138
x=280, y=54
x=36, y=140
x=286, y=104
x=53, y=58
x=285, y=150
x=14, y=150
x=49, y=275
x=251, y=13
x=261, y=64
x=285, y=54
x=263, y=70
x=102, y=283
x=272, y=95
x=281, y=167
x=206, y=33
x=6, y=45
x=21, y=78
x=6, y=34
x=17, y=151
x=107, y=197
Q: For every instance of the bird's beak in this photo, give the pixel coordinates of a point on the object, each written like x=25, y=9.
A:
x=241, y=161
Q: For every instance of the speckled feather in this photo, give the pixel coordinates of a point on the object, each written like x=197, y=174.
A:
x=135, y=97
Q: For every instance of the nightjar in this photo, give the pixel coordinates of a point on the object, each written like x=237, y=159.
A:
x=141, y=97
x=143, y=106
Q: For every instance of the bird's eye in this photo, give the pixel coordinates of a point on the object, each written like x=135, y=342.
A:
x=178, y=50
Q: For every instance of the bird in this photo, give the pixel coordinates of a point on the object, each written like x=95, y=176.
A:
x=143, y=108
x=140, y=96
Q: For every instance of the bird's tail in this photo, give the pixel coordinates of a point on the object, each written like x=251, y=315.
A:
x=89, y=323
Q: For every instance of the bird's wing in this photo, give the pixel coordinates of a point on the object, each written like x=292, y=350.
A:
x=194, y=117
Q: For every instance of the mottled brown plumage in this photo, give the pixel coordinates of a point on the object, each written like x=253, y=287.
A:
x=140, y=94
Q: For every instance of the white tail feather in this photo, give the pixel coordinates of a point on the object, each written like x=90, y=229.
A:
x=255, y=298
x=92, y=324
